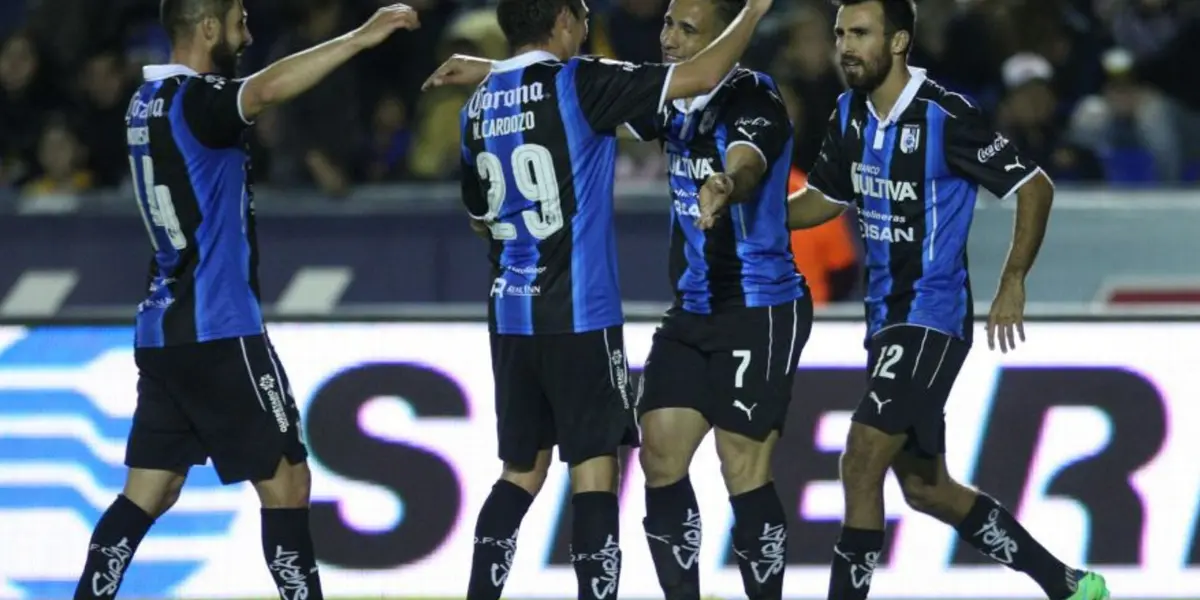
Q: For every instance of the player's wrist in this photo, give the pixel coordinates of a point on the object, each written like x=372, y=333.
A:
x=1012, y=275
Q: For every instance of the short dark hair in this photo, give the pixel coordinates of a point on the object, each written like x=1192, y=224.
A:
x=898, y=15
x=529, y=22
x=728, y=10
x=180, y=16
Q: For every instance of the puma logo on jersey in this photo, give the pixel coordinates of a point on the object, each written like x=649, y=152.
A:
x=1016, y=164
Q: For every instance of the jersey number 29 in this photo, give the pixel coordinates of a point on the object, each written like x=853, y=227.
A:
x=533, y=172
x=155, y=206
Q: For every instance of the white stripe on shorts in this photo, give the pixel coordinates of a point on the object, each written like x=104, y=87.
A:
x=250, y=372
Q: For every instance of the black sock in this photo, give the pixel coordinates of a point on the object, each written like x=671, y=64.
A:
x=114, y=540
x=994, y=532
x=288, y=548
x=496, y=539
x=672, y=526
x=854, y=558
x=596, y=545
x=760, y=542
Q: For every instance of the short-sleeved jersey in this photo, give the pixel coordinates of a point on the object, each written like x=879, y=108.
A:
x=745, y=260
x=539, y=155
x=914, y=177
x=191, y=174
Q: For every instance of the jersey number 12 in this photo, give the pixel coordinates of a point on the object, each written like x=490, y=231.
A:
x=533, y=172
x=155, y=206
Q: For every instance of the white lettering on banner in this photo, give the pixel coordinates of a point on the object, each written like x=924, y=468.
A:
x=74, y=383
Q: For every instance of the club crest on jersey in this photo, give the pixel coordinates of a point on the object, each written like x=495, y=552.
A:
x=910, y=138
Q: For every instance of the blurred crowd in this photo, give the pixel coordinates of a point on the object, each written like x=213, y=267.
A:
x=1098, y=91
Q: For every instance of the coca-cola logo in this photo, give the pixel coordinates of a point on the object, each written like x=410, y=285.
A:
x=989, y=151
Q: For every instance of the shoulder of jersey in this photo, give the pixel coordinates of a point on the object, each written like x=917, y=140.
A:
x=953, y=103
x=746, y=81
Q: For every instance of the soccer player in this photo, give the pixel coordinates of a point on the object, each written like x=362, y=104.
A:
x=911, y=157
x=210, y=384
x=725, y=355
x=539, y=147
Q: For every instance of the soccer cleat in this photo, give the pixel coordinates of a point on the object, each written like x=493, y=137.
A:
x=1090, y=587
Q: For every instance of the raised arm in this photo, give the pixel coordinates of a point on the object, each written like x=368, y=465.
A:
x=295, y=74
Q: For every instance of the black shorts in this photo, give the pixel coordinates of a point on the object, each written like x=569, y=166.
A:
x=228, y=400
x=910, y=372
x=735, y=367
x=571, y=390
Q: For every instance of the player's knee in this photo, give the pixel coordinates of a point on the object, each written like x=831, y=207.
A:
x=528, y=477
x=288, y=488
x=745, y=462
x=669, y=440
x=599, y=474
x=663, y=463
x=939, y=500
x=153, y=491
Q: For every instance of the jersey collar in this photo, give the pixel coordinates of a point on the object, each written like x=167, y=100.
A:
x=161, y=72
x=523, y=60
x=691, y=105
x=916, y=80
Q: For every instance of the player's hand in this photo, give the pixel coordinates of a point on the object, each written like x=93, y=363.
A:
x=714, y=197
x=460, y=69
x=1008, y=315
x=384, y=23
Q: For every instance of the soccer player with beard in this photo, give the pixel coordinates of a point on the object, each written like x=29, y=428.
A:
x=911, y=157
x=725, y=355
x=210, y=384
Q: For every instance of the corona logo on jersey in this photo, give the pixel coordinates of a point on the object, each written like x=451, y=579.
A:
x=1083, y=433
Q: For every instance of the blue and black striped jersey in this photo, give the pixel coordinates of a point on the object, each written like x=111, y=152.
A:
x=914, y=176
x=746, y=258
x=191, y=173
x=539, y=155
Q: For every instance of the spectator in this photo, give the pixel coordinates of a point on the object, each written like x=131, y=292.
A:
x=105, y=96
x=23, y=98
x=391, y=139
x=61, y=160
x=1027, y=116
x=805, y=66
x=321, y=131
x=1133, y=127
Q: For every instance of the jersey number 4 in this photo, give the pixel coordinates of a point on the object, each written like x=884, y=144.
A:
x=155, y=206
x=533, y=172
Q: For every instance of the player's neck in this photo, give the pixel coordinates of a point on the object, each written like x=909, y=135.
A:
x=885, y=96
x=193, y=58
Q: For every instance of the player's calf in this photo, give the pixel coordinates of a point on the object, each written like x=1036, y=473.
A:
x=596, y=527
x=864, y=464
x=147, y=495
x=498, y=522
x=286, y=537
x=670, y=437
x=760, y=523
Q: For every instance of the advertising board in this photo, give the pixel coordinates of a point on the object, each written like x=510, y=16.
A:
x=1083, y=432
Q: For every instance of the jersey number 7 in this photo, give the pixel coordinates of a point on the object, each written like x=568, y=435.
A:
x=155, y=206
x=533, y=172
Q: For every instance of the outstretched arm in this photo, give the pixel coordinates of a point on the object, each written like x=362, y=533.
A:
x=295, y=74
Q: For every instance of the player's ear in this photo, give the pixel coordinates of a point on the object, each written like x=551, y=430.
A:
x=210, y=29
x=900, y=42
